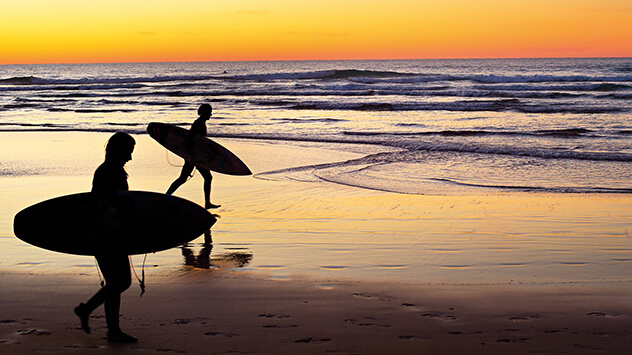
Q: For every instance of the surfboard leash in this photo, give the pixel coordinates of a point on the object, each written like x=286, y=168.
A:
x=99, y=272
x=178, y=166
x=141, y=282
x=192, y=175
x=169, y=162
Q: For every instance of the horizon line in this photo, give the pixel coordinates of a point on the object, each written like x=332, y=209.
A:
x=314, y=60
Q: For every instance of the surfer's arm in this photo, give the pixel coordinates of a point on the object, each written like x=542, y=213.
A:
x=189, y=142
x=196, y=130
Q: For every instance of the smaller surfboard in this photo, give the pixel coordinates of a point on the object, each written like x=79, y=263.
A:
x=135, y=222
x=204, y=153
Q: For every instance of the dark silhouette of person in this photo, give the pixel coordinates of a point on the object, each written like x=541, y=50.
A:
x=109, y=178
x=202, y=261
x=198, y=128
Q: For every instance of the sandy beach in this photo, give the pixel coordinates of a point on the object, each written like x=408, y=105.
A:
x=302, y=266
x=218, y=313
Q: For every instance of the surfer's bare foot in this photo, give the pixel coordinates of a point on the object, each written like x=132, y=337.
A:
x=84, y=316
x=120, y=337
x=210, y=205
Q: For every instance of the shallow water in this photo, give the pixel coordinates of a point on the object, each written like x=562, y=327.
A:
x=464, y=126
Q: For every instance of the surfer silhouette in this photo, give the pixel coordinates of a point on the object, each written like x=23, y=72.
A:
x=203, y=259
x=109, y=178
x=205, y=111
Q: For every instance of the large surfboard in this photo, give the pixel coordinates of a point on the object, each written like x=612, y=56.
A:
x=204, y=153
x=135, y=222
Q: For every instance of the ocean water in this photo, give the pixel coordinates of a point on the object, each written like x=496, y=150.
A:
x=438, y=126
x=476, y=130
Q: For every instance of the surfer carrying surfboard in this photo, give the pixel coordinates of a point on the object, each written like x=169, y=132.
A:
x=198, y=128
x=109, y=178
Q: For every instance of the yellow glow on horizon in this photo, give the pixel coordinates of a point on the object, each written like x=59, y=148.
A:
x=74, y=31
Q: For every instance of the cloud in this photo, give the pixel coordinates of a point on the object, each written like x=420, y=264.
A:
x=146, y=33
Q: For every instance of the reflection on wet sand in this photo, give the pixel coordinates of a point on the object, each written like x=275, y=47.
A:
x=204, y=261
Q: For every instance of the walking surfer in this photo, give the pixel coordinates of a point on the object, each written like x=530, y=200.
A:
x=109, y=178
x=205, y=111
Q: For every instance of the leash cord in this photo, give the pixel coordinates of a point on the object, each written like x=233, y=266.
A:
x=169, y=162
x=96, y=264
x=177, y=166
x=141, y=281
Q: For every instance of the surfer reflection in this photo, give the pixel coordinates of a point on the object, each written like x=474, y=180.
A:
x=109, y=178
x=203, y=259
x=205, y=111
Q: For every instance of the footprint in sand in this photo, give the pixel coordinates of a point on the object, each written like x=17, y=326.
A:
x=587, y=347
x=276, y=326
x=552, y=331
x=439, y=316
x=265, y=315
x=436, y=315
x=413, y=337
x=214, y=334
x=558, y=331
x=513, y=340
x=311, y=340
x=186, y=321
x=369, y=321
x=604, y=314
x=77, y=346
x=406, y=337
x=370, y=297
x=33, y=332
x=366, y=322
x=522, y=318
x=14, y=321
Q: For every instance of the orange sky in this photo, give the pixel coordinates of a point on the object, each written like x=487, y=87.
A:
x=88, y=31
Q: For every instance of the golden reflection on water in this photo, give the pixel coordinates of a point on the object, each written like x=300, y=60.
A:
x=322, y=229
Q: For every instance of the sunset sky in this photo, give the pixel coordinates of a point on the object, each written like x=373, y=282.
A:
x=89, y=31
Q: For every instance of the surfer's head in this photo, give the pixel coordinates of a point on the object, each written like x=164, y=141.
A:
x=205, y=110
x=119, y=148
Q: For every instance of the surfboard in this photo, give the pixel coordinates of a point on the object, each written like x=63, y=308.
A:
x=204, y=153
x=135, y=222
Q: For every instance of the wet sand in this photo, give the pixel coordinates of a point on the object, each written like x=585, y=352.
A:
x=332, y=269
x=220, y=312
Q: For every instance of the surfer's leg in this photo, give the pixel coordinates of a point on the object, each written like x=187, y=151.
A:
x=84, y=310
x=117, y=274
x=208, y=238
x=185, y=174
x=208, y=178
